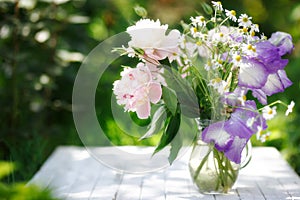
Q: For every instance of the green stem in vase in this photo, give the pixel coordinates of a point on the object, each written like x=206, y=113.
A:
x=233, y=174
x=213, y=173
x=201, y=164
x=225, y=171
x=221, y=171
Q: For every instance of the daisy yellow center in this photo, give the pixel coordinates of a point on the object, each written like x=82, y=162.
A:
x=244, y=98
x=221, y=35
x=202, y=19
x=238, y=58
x=270, y=112
x=245, y=30
x=267, y=137
x=217, y=80
x=199, y=43
x=245, y=19
x=195, y=30
x=232, y=12
x=252, y=48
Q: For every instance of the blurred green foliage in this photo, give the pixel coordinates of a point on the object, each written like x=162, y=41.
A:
x=20, y=191
x=42, y=44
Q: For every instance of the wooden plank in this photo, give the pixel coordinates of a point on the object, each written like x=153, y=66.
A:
x=246, y=188
x=153, y=186
x=61, y=164
x=107, y=185
x=130, y=187
x=53, y=164
x=271, y=189
x=65, y=177
x=73, y=174
x=266, y=170
x=86, y=180
x=179, y=185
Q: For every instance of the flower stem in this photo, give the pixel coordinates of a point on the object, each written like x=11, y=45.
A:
x=201, y=164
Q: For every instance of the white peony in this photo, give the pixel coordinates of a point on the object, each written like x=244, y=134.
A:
x=151, y=36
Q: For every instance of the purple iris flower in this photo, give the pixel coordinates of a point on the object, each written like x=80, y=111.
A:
x=232, y=135
x=283, y=41
x=216, y=133
x=264, y=74
x=253, y=74
x=276, y=83
x=237, y=125
x=268, y=54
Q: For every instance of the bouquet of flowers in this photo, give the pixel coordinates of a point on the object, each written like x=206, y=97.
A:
x=220, y=70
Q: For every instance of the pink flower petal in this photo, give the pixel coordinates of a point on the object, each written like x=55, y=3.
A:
x=155, y=92
x=143, y=110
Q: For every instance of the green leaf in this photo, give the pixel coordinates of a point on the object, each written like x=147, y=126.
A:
x=207, y=8
x=138, y=121
x=6, y=168
x=185, y=94
x=170, y=99
x=176, y=144
x=156, y=122
x=173, y=124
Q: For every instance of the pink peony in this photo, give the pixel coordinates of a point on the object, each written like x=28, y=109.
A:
x=137, y=89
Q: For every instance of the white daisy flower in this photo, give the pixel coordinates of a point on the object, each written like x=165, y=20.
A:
x=217, y=63
x=208, y=66
x=217, y=5
x=236, y=59
x=290, y=108
x=249, y=49
x=255, y=28
x=219, y=84
x=245, y=21
x=268, y=112
x=264, y=137
x=194, y=31
x=242, y=98
x=259, y=132
x=198, y=21
x=231, y=14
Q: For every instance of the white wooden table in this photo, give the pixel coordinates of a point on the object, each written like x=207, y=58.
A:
x=73, y=174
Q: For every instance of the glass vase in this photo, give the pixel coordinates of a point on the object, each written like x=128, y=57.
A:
x=211, y=171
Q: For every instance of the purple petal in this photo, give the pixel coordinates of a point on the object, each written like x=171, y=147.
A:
x=237, y=124
x=269, y=55
x=277, y=82
x=234, y=153
x=260, y=95
x=283, y=41
x=286, y=82
x=215, y=133
x=252, y=74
